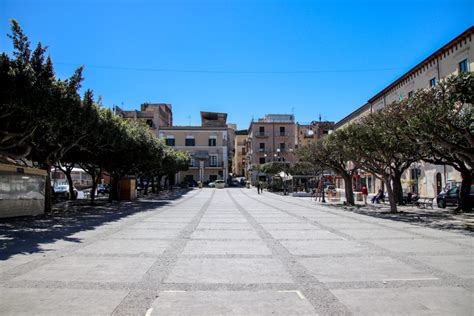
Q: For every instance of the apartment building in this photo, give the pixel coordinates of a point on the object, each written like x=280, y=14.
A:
x=155, y=115
x=240, y=152
x=307, y=133
x=453, y=58
x=207, y=144
x=272, y=138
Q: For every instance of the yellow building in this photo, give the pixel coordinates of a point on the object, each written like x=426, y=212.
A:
x=238, y=163
x=207, y=144
x=454, y=57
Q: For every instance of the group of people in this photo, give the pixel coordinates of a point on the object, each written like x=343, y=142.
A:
x=375, y=199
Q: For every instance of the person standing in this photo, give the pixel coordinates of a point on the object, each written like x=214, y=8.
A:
x=258, y=187
x=365, y=193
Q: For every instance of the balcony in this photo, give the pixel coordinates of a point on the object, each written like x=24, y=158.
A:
x=262, y=150
x=262, y=134
x=282, y=134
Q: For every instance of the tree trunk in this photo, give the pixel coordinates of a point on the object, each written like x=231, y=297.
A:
x=153, y=189
x=72, y=195
x=348, y=188
x=95, y=179
x=465, y=204
x=48, y=203
x=391, y=196
x=397, y=187
x=159, y=177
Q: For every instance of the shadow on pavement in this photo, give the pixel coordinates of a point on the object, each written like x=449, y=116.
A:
x=445, y=219
x=27, y=235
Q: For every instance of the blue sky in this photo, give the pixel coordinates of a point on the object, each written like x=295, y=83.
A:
x=246, y=58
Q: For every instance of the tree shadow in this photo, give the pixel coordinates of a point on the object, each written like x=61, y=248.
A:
x=29, y=235
x=445, y=219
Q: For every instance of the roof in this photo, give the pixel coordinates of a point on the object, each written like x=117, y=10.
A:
x=210, y=128
x=405, y=76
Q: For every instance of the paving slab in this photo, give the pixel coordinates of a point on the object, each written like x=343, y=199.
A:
x=232, y=303
x=349, y=269
x=420, y=245
x=225, y=226
x=459, y=265
x=224, y=234
x=408, y=301
x=227, y=247
x=283, y=234
x=146, y=234
x=377, y=233
x=158, y=225
x=350, y=225
x=41, y=301
x=291, y=226
x=228, y=270
x=320, y=247
x=126, y=247
x=232, y=219
x=90, y=269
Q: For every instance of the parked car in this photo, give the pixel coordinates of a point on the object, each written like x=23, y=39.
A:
x=235, y=183
x=62, y=192
x=103, y=188
x=330, y=189
x=220, y=184
x=451, y=197
x=212, y=184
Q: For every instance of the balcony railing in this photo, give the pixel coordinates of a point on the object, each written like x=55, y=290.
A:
x=261, y=134
x=282, y=134
x=262, y=150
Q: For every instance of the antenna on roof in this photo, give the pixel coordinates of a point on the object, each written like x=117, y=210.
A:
x=320, y=117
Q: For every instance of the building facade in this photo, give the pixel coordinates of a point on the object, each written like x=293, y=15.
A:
x=240, y=153
x=307, y=133
x=155, y=115
x=272, y=138
x=207, y=144
x=456, y=56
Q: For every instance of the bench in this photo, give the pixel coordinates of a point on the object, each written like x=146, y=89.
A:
x=424, y=202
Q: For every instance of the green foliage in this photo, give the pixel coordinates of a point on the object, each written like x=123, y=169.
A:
x=45, y=120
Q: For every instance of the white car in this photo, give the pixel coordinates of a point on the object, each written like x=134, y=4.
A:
x=219, y=184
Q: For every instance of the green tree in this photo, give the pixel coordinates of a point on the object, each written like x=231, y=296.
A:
x=441, y=121
x=332, y=152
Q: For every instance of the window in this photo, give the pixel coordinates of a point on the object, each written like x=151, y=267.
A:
x=410, y=94
x=170, y=141
x=213, y=160
x=463, y=66
x=261, y=147
x=432, y=82
x=282, y=146
x=261, y=160
x=261, y=129
x=282, y=130
x=192, y=162
x=212, y=142
x=190, y=141
x=150, y=123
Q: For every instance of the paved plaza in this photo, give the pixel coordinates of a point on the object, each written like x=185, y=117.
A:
x=233, y=252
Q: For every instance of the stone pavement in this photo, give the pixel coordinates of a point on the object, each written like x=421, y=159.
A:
x=231, y=251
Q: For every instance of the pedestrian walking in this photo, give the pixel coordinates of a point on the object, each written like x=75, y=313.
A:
x=258, y=187
x=365, y=193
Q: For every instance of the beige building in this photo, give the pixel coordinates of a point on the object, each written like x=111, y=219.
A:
x=207, y=144
x=240, y=152
x=155, y=115
x=307, y=133
x=271, y=138
x=454, y=57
